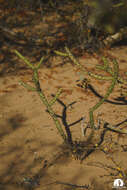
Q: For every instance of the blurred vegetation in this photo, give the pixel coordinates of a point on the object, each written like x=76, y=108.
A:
x=86, y=23
x=108, y=15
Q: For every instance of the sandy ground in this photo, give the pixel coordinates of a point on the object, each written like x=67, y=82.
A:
x=31, y=151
